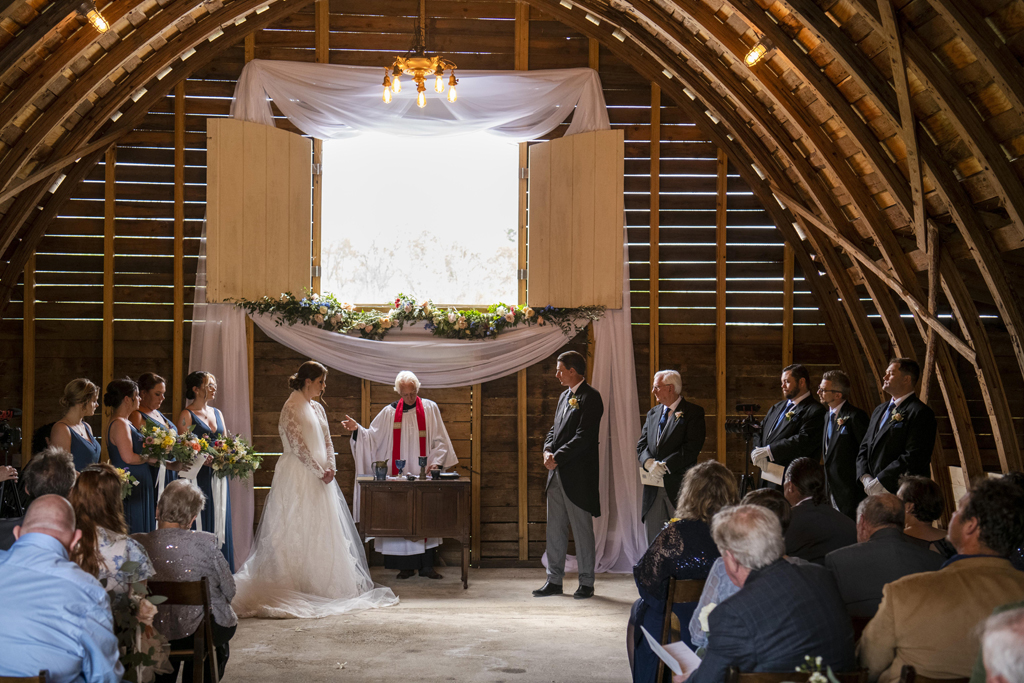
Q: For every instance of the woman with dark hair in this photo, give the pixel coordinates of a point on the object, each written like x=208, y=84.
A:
x=152, y=389
x=683, y=550
x=124, y=444
x=105, y=546
x=71, y=432
x=306, y=561
x=816, y=528
x=208, y=422
x=923, y=504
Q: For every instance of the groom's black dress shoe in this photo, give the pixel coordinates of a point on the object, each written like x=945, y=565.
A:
x=406, y=573
x=548, y=589
x=583, y=592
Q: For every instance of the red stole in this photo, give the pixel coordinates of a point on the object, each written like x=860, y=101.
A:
x=396, y=442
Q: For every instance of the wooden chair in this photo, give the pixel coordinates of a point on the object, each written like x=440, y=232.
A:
x=41, y=678
x=678, y=591
x=733, y=675
x=858, y=626
x=192, y=593
x=909, y=675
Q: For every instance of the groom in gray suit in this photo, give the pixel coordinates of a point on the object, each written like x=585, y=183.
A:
x=570, y=455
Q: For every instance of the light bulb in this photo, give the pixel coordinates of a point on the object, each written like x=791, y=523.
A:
x=97, y=20
x=421, y=99
x=396, y=84
x=387, y=96
x=439, y=83
x=756, y=53
x=451, y=94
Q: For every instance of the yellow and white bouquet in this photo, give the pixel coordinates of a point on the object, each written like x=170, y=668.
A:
x=233, y=457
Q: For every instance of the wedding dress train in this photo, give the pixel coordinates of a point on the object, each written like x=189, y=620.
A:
x=307, y=561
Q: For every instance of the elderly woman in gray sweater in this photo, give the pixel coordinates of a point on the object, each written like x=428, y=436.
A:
x=180, y=554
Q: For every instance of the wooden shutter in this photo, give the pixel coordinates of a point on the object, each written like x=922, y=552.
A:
x=575, y=234
x=258, y=210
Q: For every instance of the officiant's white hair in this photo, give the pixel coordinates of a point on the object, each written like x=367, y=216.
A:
x=671, y=377
x=406, y=377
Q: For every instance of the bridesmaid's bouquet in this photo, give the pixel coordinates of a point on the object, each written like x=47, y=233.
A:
x=233, y=457
x=164, y=445
x=128, y=482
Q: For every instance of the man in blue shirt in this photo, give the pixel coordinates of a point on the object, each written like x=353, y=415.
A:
x=56, y=617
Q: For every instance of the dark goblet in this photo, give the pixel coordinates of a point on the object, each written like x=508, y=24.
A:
x=400, y=465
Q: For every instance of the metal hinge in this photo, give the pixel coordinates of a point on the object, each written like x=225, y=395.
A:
x=524, y=174
x=318, y=169
x=521, y=274
x=315, y=271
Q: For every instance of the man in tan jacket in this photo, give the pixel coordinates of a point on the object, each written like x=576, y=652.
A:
x=929, y=620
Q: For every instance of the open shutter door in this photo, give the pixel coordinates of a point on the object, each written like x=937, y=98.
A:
x=574, y=255
x=258, y=211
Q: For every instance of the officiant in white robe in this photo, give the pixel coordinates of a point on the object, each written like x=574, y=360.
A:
x=420, y=432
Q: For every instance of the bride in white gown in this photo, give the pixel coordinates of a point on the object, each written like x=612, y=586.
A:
x=307, y=560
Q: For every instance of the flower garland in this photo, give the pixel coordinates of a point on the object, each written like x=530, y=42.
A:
x=328, y=313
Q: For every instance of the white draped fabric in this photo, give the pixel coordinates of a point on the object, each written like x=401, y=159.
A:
x=436, y=362
x=330, y=101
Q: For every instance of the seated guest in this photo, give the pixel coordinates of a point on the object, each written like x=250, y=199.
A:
x=930, y=620
x=105, y=545
x=882, y=555
x=41, y=437
x=1017, y=556
x=55, y=616
x=923, y=504
x=816, y=528
x=50, y=471
x=684, y=550
x=8, y=473
x=718, y=586
x=180, y=554
x=783, y=612
x=1002, y=637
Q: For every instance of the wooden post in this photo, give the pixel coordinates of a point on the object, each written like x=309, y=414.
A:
x=109, y=195
x=28, y=360
x=523, y=467
x=787, y=305
x=474, y=473
x=522, y=63
x=323, y=51
x=364, y=403
x=178, y=344
x=721, y=204
x=250, y=47
x=594, y=54
x=934, y=256
x=654, y=334
x=591, y=348
x=250, y=356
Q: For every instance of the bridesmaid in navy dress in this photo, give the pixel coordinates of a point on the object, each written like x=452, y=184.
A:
x=124, y=445
x=72, y=433
x=152, y=389
x=207, y=421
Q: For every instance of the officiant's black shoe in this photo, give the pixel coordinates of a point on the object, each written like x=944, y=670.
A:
x=431, y=574
x=583, y=592
x=548, y=589
x=406, y=573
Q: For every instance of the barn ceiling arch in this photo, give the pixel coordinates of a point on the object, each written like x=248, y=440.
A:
x=884, y=140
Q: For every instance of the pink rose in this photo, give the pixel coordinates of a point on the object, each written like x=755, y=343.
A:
x=147, y=611
x=510, y=316
x=319, y=319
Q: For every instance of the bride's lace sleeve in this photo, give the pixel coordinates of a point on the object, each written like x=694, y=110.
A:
x=326, y=427
x=291, y=431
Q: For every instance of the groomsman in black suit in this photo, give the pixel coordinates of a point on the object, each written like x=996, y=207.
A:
x=570, y=454
x=901, y=434
x=793, y=428
x=845, y=426
x=669, y=444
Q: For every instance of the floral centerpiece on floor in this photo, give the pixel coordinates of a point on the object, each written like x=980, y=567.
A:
x=128, y=482
x=328, y=313
x=233, y=457
x=144, y=651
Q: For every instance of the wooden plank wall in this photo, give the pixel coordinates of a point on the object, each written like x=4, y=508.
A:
x=476, y=35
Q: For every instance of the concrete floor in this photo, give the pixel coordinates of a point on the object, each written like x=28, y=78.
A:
x=494, y=631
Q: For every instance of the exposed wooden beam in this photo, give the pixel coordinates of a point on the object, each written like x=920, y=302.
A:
x=178, y=341
x=594, y=54
x=322, y=37
x=522, y=466
x=934, y=253
x=788, y=276
x=522, y=63
x=475, y=473
x=721, y=355
x=522, y=36
x=654, y=328
x=28, y=360
x=109, y=213
x=26, y=40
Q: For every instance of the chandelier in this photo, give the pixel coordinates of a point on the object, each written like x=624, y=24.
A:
x=420, y=66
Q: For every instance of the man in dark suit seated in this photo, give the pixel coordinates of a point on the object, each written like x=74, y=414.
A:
x=669, y=444
x=845, y=427
x=49, y=471
x=782, y=611
x=901, y=434
x=816, y=528
x=882, y=555
x=792, y=428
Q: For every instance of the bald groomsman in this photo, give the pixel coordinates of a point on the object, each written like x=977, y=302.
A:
x=901, y=434
x=669, y=444
x=845, y=427
x=793, y=427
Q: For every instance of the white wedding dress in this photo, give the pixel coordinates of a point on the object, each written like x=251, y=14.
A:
x=307, y=560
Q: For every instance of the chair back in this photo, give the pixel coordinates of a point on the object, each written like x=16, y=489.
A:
x=733, y=675
x=192, y=593
x=195, y=593
x=41, y=678
x=679, y=590
x=909, y=675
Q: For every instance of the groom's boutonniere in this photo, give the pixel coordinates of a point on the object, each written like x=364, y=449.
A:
x=679, y=414
x=896, y=417
x=574, y=403
x=790, y=415
x=840, y=421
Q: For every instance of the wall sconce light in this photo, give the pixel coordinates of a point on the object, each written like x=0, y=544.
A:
x=757, y=53
x=88, y=10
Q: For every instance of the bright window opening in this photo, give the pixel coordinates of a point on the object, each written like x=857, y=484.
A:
x=435, y=218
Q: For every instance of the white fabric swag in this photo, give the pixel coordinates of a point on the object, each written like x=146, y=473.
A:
x=331, y=101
